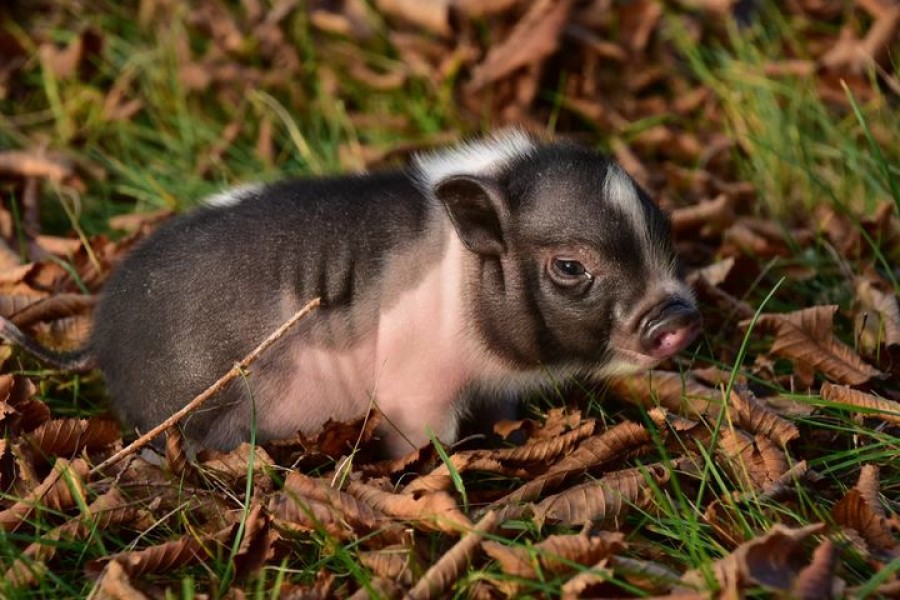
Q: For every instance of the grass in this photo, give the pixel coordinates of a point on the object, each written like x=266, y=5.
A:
x=798, y=151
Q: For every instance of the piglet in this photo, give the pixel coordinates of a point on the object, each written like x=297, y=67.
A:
x=479, y=274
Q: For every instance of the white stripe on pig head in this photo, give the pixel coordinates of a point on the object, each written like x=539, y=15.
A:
x=486, y=157
x=621, y=192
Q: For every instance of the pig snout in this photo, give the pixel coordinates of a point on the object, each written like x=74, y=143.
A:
x=668, y=328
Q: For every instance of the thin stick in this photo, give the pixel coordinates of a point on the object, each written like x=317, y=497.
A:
x=208, y=393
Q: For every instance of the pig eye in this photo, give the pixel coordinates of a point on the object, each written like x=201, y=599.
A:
x=568, y=272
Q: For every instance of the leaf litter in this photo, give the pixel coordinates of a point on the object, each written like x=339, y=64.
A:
x=558, y=505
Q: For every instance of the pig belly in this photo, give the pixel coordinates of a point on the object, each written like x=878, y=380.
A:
x=320, y=385
x=324, y=384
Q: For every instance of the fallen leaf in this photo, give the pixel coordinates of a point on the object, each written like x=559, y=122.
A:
x=606, y=498
x=681, y=394
x=347, y=506
x=178, y=553
x=880, y=408
x=396, y=562
x=805, y=336
x=772, y=560
x=65, y=437
x=449, y=568
x=878, y=314
x=431, y=511
x=747, y=412
x=114, y=584
x=817, y=581
x=861, y=510
x=534, y=37
x=555, y=555
x=64, y=64
x=61, y=489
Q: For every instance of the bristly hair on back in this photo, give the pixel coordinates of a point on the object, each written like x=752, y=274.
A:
x=484, y=156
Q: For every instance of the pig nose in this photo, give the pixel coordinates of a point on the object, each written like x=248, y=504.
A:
x=666, y=331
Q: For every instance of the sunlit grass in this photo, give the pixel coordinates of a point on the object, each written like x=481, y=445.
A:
x=799, y=150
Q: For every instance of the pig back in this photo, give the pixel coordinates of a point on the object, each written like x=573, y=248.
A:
x=206, y=288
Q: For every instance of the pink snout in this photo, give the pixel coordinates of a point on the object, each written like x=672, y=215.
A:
x=669, y=330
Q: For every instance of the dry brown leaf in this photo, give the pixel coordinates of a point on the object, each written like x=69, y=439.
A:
x=484, y=8
x=381, y=587
x=441, y=477
x=64, y=63
x=65, y=437
x=558, y=421
x=107, y=510
x=112, y=509
x=817, y=581
x=787, y=482
x=650, y=576
x=598, y=450
x=234, y=465
x=854, y=512
x=431, y=511
x=177, y=457
x=58, y=246
x=60, y=490
x=395, y=562
x=714, y=274
x=114, y=584
x=772, y=560
x=618, y=442
x=708, y=218
x=354, y=511
x=607, y=498
x=869, y=486
x=547, y=449
x=754, y=462
x=855, y=55
x=555, y=555
x=19, y=410
x=255, y=548
x=861, y=510
x=139, y=221
x=681, y=394
x=305, y=514
x=334, y=440
x=747, y=412
x=805, y=336
x=534, y=37
x=30, y=567
x=583, y=583
x=886, y=410
x=878, y=314
x=182, y=552
x=321, y=589
x=638, y=20
x=449, y=568
x=433, y=15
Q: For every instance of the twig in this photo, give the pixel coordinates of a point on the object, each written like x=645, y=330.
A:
x=209, y=392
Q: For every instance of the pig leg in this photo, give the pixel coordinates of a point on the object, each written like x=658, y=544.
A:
x=406, y=428
x=486, y=410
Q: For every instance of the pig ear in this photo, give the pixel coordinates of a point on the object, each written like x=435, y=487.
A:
x=478, y=210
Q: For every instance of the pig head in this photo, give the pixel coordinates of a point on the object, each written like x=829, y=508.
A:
x=483, y=271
